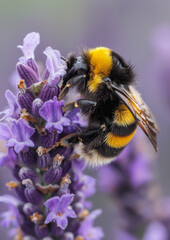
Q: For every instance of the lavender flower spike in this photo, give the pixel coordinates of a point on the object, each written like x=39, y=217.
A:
x=47, y=178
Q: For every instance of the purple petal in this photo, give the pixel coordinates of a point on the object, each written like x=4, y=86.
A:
x=18, y=147
x=70, y=213
x=65, y=201
x=52, y=204
x=45, y=110
x=86, y=228
x=57, y=105
x=52, y=110
x=29, y=143
x=89, y=185
x=30, y=42
x=21, y=130
x=58, y=127
x=12, y=101
x=10, y=200
x=13, y=110
x=65, y=121
x=50, y=217
x=5, y=132
x=54, y=64
x=62, y=222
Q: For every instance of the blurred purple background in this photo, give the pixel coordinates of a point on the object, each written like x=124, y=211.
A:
x=125, y=26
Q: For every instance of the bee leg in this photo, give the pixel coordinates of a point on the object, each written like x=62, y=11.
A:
x=83, y=104
x=70, y=140
x=85, y=136
x=72, y=82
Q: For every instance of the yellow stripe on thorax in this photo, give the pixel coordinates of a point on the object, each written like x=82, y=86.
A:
x=100, y=66
x=118, y=141
x=123, y=116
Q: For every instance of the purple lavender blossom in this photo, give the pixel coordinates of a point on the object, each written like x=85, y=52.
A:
x=60, y=210
x=47, y=178
x=51, y=111
x=88, y=231
x=13, y=110
x=55, y=65
x=11, y=218
x=20, y=135
x=30, y=42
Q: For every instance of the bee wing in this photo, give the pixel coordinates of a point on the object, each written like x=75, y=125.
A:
x=141, y=112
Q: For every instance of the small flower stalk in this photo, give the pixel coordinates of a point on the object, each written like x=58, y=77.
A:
x=49, y=190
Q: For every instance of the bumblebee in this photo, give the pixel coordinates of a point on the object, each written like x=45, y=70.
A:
x=109, y=101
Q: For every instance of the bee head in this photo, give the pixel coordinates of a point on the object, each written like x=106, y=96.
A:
x=76, y=66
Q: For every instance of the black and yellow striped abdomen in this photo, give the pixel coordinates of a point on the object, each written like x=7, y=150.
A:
x=123, y=128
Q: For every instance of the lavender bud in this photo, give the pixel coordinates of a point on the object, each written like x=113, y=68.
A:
x=56, y=231
x=32, y=64
x=20, y=191
x=29, y=209
x=16, y=171
x=31, y=193
x=28, y=227
x=28, y=158
x=53, y=175
x=27, y=73
x=41, y=230
x=66, y=167
x=25, y=173
x=36, y=105
x=48, y=140
x=64, y=151
x=25, y=100
x=48, y=92
x=73, y=226
x=44, y=160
